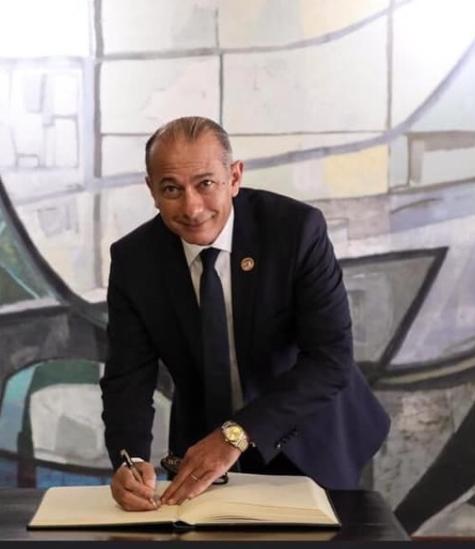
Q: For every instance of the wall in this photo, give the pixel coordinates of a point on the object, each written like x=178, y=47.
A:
x=365, y=109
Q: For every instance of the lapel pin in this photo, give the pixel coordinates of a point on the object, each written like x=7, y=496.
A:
x=247, y=264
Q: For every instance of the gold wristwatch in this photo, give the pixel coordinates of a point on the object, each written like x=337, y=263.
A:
x=235, y=435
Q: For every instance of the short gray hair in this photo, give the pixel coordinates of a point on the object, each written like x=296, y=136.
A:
x=191, y=128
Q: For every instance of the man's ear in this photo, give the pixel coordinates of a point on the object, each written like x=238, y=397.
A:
x=237, y=169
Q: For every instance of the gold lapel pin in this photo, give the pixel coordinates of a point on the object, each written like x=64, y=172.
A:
x=247, y=264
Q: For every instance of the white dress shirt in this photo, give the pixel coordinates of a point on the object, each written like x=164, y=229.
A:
x=223, y=243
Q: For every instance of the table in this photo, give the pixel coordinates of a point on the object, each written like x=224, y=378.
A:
x=364, y=514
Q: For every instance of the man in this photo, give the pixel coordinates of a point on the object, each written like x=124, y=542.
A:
x=277, y=391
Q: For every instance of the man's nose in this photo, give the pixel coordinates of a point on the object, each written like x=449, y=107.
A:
x=192, y=204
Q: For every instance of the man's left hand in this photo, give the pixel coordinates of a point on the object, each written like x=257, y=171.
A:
x=203, y=463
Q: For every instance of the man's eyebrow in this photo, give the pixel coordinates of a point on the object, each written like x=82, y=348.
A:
x=167, y=179
x=203, y=175
x=170, y=179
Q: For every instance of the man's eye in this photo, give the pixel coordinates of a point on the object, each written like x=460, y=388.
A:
x=170, y=190
x=206, y=184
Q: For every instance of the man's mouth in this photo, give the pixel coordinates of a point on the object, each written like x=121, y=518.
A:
x=193, y=226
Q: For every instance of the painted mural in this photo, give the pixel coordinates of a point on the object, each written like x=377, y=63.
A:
x=365, y=109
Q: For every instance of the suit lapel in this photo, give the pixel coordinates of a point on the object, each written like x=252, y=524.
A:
x=180, y=288
x=244, y=277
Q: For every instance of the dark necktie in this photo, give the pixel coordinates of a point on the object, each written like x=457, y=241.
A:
x=216, y=366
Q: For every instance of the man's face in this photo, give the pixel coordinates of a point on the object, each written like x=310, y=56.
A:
x=192, y=187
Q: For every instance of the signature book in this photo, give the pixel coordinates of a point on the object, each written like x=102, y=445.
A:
x=246, y=500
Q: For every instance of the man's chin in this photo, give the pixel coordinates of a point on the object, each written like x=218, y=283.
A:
x=197, y=237
x=199, y=241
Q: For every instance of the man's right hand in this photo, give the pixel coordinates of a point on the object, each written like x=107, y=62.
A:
x=131, y=494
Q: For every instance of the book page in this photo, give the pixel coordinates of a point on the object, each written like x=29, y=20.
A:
x=251, y=499
x=94, y=506
x=261, y=498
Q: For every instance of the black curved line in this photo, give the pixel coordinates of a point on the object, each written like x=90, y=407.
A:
x=450, y=475
x=430, y=365
x=377, y=369
x=446, y=381
x=430, y=368
x=60, y=289
x=292, y=157
x=415, y=204
x=72, y=356
x=439, y=255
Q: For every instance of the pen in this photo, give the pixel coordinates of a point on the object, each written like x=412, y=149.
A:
x=133, y=469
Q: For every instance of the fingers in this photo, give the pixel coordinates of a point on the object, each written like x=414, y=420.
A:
x=194, y=477
x=148, y=474
x=191, y=488
x=130, y=502
x=202, y=484
x=188, y=487
x=131, y=494
x=183, y=475
x=203, y=463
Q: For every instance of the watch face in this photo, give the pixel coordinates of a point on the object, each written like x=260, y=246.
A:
x=234, y=432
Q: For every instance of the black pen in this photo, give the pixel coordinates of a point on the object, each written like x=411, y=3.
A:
x=133, y=469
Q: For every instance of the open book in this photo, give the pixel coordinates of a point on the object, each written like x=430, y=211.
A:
x=246, y=500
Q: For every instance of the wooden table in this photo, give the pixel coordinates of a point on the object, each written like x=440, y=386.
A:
x=364, y=514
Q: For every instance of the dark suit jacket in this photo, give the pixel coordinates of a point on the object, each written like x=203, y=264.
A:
x=303, y=394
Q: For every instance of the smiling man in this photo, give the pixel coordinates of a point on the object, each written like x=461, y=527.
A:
x=239, y=294
x=193, y=183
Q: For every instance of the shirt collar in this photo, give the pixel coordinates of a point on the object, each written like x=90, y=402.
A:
x=223, y=241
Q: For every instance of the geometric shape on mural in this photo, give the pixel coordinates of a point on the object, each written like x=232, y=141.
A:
x=440, y=157
x=450, y=476
x=18, y=281
x=432, y=374
x=131, y=25
x=11, y=408
x=51, y=429
x=21, y=259
x=385, y=293
x=163, y=89
x=28, y=420
x=455, y=109
x=294, y=90
x=10, y=290
x=251, y=23
x=64, y=412
x=361, y=173
x=429, y=38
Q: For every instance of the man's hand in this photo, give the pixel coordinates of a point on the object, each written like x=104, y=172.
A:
x=131, y=494
x=203, y=463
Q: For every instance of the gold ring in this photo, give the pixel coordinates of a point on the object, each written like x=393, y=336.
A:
x=194, y=477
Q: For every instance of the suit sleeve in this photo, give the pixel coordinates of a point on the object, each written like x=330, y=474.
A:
x=130, y=374
x=323, y=338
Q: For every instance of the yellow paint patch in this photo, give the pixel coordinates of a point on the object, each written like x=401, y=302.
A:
x=324, y=16
x=362, y=173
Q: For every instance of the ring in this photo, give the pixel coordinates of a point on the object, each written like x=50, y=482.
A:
x=194, y=477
